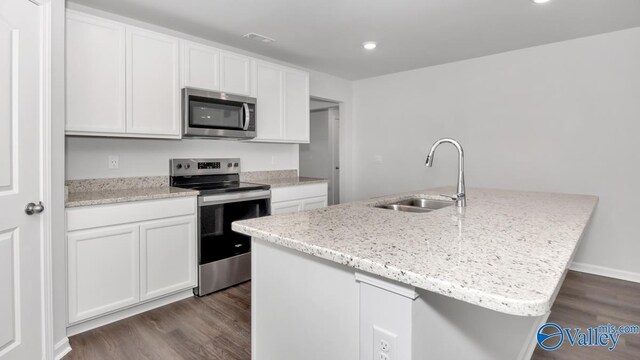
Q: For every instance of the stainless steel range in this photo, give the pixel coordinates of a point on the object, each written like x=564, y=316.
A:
x=224, y=256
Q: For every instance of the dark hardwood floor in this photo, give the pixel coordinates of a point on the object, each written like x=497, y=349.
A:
x=218, y=326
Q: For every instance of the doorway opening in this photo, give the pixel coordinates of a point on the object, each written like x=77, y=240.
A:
x=321, y=157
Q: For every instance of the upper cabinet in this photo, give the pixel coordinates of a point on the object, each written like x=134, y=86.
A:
x=95, y=75
x=153, y=83
x=201, y=66
x=235, y=74
x=296, y=106
x=121, y=80
x=282, y=111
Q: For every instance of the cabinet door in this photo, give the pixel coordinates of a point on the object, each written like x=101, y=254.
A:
x=269, y=86
x=286, y=207
x=95, y=75
x=296, y=106
x=314, y=203
x=235, y=74
x=201, y=66
x=103, y=270
x=153, y=86
x=167, y=256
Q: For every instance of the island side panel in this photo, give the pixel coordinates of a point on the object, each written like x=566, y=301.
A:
x=446, y=328
x=302, y=307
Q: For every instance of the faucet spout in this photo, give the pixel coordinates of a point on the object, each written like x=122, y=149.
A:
x=461, y=199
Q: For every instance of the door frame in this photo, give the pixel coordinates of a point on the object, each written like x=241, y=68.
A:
x=46, y=178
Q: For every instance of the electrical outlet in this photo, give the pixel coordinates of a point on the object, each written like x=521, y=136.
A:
x=384, y=344
x=114, y=162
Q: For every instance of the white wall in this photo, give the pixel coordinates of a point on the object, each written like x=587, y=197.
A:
x=563, y=117
x=87, y=157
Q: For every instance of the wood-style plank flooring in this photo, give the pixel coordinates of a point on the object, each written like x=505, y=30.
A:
x=218, y=326
x=587, y=301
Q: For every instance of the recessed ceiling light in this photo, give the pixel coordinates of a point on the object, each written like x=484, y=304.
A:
x=369, y=45
x=540, y=1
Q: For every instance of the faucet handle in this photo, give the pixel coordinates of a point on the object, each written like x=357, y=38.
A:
x=452, y=197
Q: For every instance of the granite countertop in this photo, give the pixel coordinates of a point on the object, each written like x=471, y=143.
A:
x=508, y=251
x=88, y=198
x=290, y=181
x=279, y=178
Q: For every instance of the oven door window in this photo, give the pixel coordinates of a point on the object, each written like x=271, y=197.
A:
x=212, y=114
x=217, y=240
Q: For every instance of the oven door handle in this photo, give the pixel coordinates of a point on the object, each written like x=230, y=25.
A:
x=247, y=116
x=235, y=197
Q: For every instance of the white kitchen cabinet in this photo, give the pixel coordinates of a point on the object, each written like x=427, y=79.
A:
x=103, y=269
x=283, y=103
x=95, y=53
x=298, y=198
x=235, y=74
x=167, y=256
x=269, y=89
x=124, y=255
x=122, y=81
x=201, y=66
x=314, y=203
x=286, y=207
x=296, y=106
x=153, y=83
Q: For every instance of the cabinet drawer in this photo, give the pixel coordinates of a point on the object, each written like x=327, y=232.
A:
x=286, y=207
x=124, y=213
x=298, y=192
x=314, y=203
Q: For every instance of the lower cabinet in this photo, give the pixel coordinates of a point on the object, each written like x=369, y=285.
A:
x=292, y=199
x=115, y=266
x=167, y=256
x=103, y=270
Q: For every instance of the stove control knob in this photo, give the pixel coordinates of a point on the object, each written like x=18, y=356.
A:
x=186, y=166
x=235, y=164
x=179, y=166
x=229, y=164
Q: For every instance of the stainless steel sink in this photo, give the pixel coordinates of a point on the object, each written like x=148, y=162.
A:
x=416, y=205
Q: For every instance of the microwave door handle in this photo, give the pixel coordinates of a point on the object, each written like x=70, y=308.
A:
x=247, y=116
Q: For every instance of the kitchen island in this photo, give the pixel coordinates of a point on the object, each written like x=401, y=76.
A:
x=355, y=281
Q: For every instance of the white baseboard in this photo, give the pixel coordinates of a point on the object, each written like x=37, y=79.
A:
x=61, y=349
x=606, y=271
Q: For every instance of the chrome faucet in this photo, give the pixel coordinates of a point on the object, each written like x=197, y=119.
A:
x=460, y=197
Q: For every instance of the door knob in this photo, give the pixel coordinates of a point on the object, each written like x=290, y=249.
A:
x=34, y=208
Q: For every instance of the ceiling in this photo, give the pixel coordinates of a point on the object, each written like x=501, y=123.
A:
x=327, y=35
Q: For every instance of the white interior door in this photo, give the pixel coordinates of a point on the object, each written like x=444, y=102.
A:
x=20, y=234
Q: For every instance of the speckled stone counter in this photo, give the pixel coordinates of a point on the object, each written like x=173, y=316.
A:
x=87, y=192
x=507, y=252
x=279, y=178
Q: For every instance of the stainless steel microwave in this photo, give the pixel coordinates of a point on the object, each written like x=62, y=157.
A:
x=210, y=114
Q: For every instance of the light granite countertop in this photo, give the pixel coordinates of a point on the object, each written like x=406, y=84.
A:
x=279, y=178
x=290, y=181
x=508, y=251
x=88, y=198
